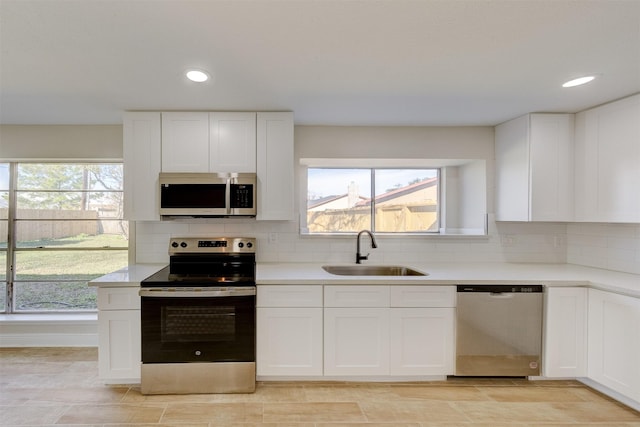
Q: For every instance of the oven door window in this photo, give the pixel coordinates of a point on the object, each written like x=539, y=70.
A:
x=203, y=329
x=198, y=324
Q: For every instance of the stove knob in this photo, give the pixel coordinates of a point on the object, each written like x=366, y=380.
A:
x=249, y=244
x=183, y=244
x=174, y=244
x=241, y=245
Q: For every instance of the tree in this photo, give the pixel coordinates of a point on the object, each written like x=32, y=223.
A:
x=69, y=186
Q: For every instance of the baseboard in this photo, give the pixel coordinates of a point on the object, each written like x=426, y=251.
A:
x=49, y=330
x=611, y=393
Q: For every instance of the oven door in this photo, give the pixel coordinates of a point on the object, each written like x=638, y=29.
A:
x=208, y=325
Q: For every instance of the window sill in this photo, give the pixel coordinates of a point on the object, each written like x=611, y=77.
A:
x=55, y=318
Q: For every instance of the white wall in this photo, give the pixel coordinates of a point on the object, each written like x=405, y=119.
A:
x=280, y=241
x=22, y=142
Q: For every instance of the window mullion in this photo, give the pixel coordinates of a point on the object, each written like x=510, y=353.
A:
x=373, y=200
x=11, y=237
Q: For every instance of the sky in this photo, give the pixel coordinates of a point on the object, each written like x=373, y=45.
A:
x=4, y=176
x=330, y=182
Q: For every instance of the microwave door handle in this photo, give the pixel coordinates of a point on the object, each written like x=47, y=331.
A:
x=227, y=196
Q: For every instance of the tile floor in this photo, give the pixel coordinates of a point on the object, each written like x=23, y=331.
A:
x=59, y=386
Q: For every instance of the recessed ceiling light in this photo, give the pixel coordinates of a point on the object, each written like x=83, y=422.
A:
x=579, y=81
x=197, y=76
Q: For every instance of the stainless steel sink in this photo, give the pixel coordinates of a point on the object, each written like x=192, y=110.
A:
x=371, y=270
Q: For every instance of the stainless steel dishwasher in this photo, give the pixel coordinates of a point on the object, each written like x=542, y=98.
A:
x=499, y=330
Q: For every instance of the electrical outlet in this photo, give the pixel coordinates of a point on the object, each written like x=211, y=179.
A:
x=508, y=240
x=273, y=238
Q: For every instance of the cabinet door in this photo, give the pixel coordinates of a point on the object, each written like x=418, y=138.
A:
x=356, y=296
x=565, y=338
x=289, y=341
x=423, y=296
x=512, y=170
x=119, y=355
x=614, y=342
x=356, y=341
x=275, y=166
x=421, y=341
x=534, y=168
x=141, y=152
x=121, y=298
x=551, y=163
x=232, y=145
x=608, y=162
x=185, y=142
x=289, y=296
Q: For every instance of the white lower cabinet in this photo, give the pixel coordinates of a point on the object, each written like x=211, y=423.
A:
x=565, y=337
x=356, y=341
x=119, y=335
x=289, y=331
x=389, y=330
x=614, y=342
x=421, y=341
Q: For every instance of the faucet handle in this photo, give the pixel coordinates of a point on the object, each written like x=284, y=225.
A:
x=361, y=257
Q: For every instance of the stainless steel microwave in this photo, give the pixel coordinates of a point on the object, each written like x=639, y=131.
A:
x=207, y=194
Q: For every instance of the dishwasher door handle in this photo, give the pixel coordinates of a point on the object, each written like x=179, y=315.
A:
x=501, y=295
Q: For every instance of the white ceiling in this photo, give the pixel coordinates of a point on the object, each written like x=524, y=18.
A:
x=359, y=62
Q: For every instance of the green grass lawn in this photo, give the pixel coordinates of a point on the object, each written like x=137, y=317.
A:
x=58, y=279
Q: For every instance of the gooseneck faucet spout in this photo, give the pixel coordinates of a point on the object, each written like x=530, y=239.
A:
x=373, y=245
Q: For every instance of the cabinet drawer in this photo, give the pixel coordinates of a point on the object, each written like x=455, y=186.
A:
x=356, y=296
x=289, y=296
x=423, y=296
x=118, y=298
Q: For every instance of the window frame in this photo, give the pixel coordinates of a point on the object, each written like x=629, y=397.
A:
x=307, y=164
x=13, y=247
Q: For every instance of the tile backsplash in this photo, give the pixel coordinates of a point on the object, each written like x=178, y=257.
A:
x=608, y=246
x=280, y=241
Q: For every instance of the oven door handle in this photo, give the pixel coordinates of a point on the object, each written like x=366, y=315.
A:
x=191, y=293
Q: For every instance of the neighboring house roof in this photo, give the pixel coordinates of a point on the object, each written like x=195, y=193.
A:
x=385, y=197
x=323, y=200
x=402, y=191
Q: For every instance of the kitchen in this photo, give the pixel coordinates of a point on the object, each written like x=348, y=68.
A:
x=604, y=245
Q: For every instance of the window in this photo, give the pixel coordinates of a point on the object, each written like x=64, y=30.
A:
x=64, y=226
x=339, y=200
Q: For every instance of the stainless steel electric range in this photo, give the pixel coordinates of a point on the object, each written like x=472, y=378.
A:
x=199, y=319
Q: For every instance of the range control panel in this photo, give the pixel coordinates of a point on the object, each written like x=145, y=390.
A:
x=186, y=245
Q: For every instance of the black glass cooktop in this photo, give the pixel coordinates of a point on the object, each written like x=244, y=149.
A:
x=165, y=277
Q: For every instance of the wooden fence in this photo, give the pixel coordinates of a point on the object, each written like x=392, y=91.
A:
x=53, y=224
x=389, y=218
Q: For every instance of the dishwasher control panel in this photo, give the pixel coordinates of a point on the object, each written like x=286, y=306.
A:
x=512, y=289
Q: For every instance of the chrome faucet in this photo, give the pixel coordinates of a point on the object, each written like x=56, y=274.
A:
x=373, y=245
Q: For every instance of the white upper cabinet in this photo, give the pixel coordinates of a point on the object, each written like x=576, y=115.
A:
x=185, y=142
x=232, y=145
x=141, y=148
x=208, y=142
x=607, y=162
x=534, y=168
x=275, y=166
x=242, y=142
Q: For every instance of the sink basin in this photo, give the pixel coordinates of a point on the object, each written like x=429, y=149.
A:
x=371, y=270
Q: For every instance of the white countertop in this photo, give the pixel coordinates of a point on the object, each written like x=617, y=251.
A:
x=459, y=273
x=438, y=274
x=128, y=276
